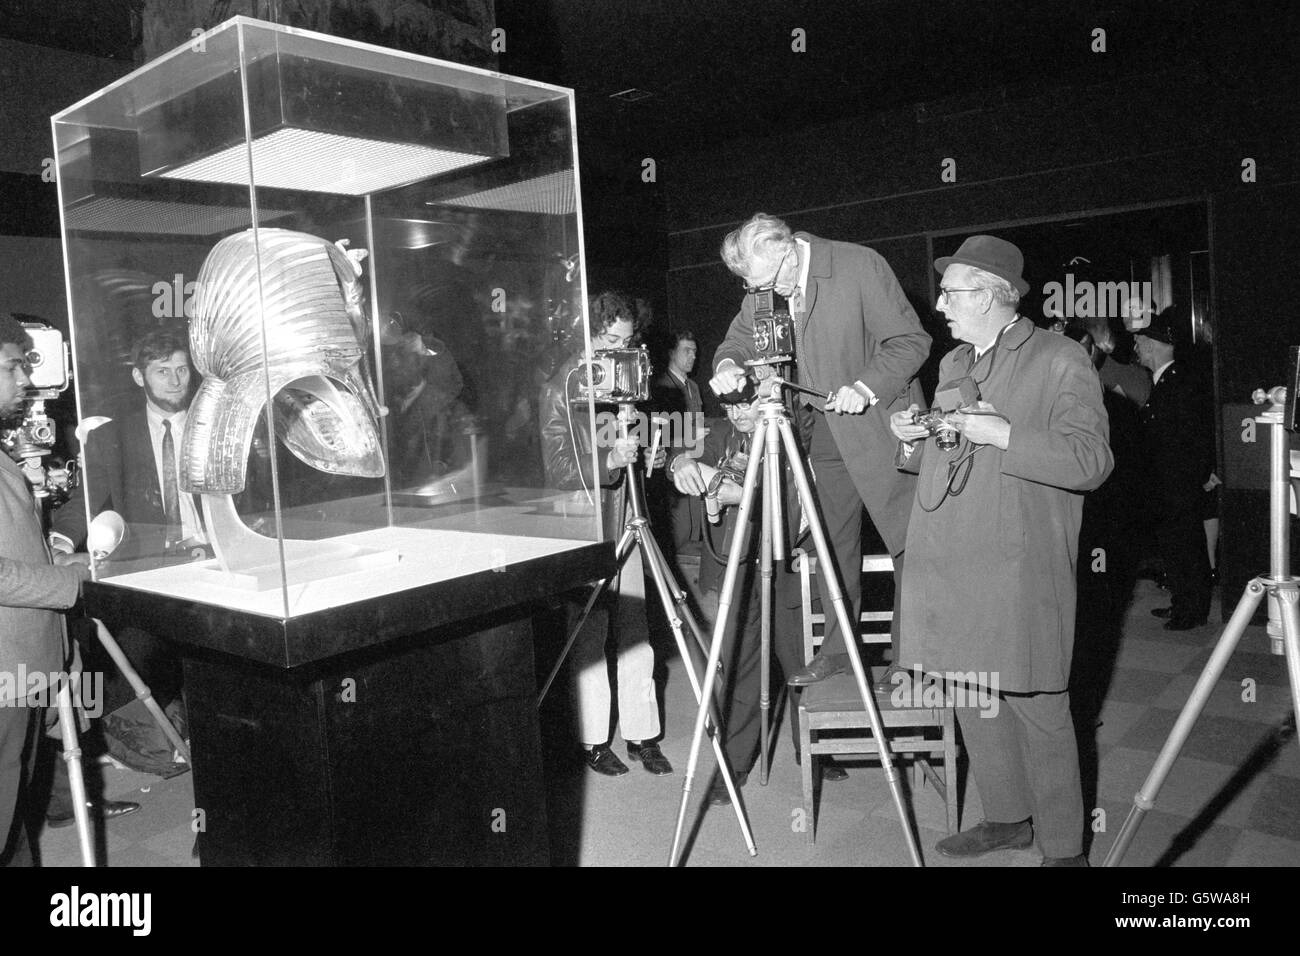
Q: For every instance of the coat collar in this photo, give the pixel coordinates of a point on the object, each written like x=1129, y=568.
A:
x=819, y=267
x=1016, y=334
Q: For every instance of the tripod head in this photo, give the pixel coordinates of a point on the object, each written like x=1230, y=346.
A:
x=768, y=386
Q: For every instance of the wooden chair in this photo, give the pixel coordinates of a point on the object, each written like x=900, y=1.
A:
x=836, y=705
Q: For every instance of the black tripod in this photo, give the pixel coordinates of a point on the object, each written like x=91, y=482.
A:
x=637, y=533
x=1283, y=624
x=772, y=432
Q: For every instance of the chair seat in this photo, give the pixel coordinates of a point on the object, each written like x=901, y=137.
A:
x=840, y=693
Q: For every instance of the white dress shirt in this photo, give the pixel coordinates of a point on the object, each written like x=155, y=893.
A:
x=191, y=526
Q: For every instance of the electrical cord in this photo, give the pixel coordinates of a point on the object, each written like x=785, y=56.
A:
x=573, y=437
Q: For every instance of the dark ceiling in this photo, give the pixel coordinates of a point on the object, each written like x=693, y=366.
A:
x=717, y=69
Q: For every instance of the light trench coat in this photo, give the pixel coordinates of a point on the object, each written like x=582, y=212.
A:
x=989, y=584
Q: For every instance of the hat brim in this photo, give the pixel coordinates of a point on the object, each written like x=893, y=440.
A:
x=1016, y=280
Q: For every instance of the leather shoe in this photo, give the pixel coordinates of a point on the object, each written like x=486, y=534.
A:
x=1079, y=860
x=602, y=760
x=888, y=682
x=1179, y=623
x=986, y=838
x=833, y=773
x=718, y=796
x=108, y=810
x=1161, y=611
x=651, y=757
x=822, y=667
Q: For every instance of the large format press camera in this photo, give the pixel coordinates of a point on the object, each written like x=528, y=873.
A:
x=617, y=376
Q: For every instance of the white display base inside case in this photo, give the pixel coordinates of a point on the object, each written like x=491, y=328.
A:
x=382, y=561
x=304, y=562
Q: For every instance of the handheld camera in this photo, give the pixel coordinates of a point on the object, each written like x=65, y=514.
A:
x=34, y=437
x=948, y=398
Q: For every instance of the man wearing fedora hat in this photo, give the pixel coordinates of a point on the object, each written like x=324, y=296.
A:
x=989, y=595
x=856, y=336
x=1176, y=436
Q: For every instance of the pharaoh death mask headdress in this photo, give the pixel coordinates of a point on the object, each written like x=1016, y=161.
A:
x=324, y=406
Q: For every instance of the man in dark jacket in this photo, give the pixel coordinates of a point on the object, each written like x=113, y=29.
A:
x=133, y=467
x=677, y=397
x=32, y=591
x=992, y=549
x=1177, y=440
x=567, y=446
x=857, y=336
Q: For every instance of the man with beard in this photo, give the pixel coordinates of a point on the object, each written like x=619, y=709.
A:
x=133, y=462
x=133, y=468
x=32, y=591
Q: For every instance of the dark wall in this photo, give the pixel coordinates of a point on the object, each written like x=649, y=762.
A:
x=1173, y=137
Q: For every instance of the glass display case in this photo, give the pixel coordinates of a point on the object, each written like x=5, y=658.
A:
x=371, y=263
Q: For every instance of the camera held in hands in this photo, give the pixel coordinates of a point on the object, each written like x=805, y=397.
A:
x=948, y=398
x=936, y=423
x=50, y=372
x=773, y=331
x=617, y=376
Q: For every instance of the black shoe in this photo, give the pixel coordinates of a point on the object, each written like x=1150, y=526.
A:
x=1079, y=860
x=822, y=667
x=1181, y=623
x=830, y=771
x=718, y=796
x=651, y=757
x=602, y=760
x=108, y=810
x=986, y=838
x=888, y=682
x=1161, y=611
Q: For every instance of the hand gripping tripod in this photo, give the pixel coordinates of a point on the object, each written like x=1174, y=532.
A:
x=637, y=533
x=772, y=433
x=1283, y=624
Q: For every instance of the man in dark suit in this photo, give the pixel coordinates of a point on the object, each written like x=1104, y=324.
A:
x=133, y=468
x=1177, y=435
x=857, y=337
x=32, y=590
x=677, y=397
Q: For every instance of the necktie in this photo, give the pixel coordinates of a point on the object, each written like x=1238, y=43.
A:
x=171, y=493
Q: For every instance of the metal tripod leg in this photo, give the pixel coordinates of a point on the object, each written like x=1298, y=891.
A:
x=773, y=546
x=719, y=628
x=72, y=756
x=142, y=691
x=827, y=557
x=1146, y=797
x=658, y=565
x=623, y=551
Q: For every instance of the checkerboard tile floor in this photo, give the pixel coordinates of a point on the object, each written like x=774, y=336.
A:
x=1232, y=799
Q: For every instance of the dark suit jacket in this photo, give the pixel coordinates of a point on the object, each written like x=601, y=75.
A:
x=859, y=328
x=682, y=512
x=121, y=474
x=32, y=590
x=1178, y=439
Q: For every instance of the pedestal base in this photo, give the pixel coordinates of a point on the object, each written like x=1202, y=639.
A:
x=428, y=754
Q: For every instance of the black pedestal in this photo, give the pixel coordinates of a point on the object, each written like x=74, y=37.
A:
x=400, y=730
